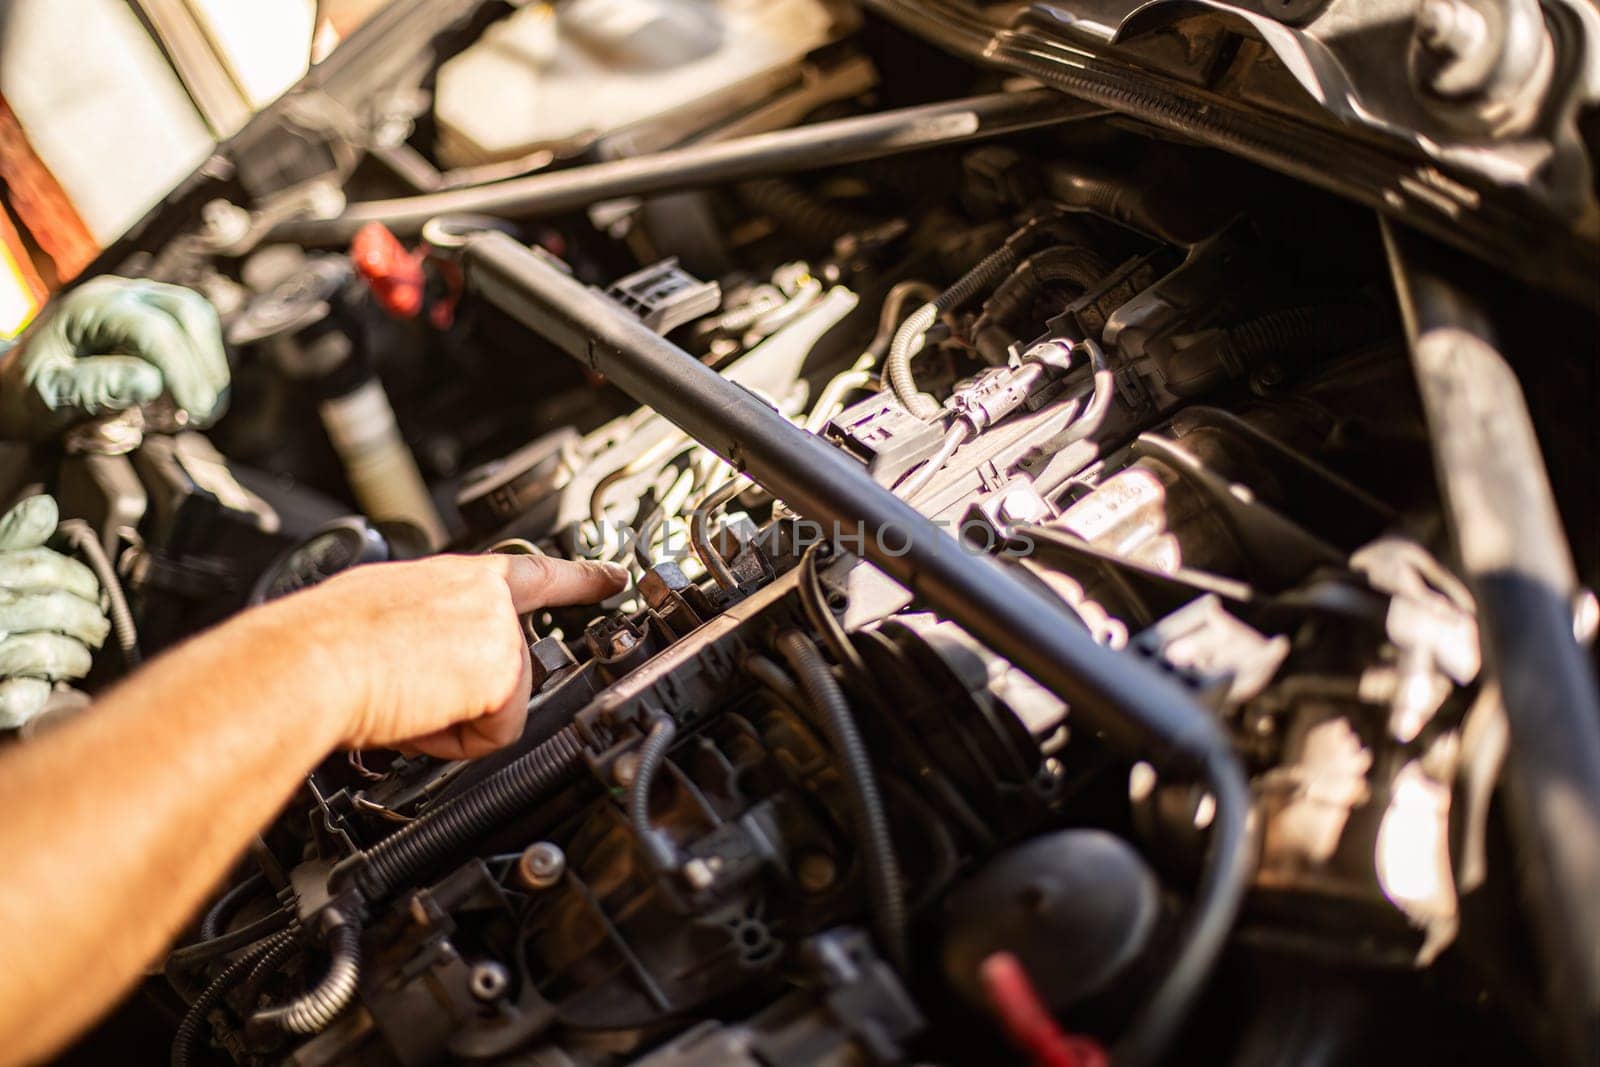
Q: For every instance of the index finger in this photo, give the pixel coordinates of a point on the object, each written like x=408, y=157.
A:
x=544, y=581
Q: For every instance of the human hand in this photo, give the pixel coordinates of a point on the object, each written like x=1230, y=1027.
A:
x=430, y=654
x=109, y=345
x=50, y=614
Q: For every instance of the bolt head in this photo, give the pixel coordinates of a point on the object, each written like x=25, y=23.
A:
x=698, y=874
x=1021, y=506
x=541, y=866
x=625, y=768
x=816, y=871
x=488, y=981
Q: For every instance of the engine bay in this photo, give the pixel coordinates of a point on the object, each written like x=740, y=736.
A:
x=1047, y=608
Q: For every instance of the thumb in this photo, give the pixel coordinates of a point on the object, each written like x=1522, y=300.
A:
x=28, y=524
x=544, y=581
x=100, y=384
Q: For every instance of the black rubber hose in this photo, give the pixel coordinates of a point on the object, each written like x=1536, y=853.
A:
x=315, y=1009
x=1071, y=264
x=222, y=944
x=1229, y=868
x=437, y=833
x=814, y=602
x=228, y=905
x=873, y=832
x=186, y=1040
x=1194, y=364
x=652, y=754
x=801, y=212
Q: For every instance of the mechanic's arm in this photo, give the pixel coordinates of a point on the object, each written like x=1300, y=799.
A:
x=116, y=826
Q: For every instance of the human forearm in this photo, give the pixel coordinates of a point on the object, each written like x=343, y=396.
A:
x=147, y=799
x=114, y=827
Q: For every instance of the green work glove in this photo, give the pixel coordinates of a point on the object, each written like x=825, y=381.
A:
x=50, y=614
x=109, y=345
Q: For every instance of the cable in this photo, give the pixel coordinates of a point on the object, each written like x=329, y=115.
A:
x=1090, y=418
x=652, y=753
x=227, y=906
x=444, y=829
x=776, y=679
x=908, y=339
x=222, y=944
x=894, y=306
x=186, y=1039
x=312, y=1011
x=914, y=482
x=1074, y=264
x=1002, y=263
x=815, y=604
x=700, y=531
x=865, y=802
x=1230, y=865
x=645, y=534
x=82, y=537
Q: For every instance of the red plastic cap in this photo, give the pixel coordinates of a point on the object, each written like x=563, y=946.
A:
x=392, y=272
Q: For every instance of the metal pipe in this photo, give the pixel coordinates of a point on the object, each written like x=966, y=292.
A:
x=1507, y=532
x=811, y=147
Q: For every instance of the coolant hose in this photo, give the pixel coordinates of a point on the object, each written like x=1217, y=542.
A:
x=312, y=1011
x=871, y=820
x=437, y=833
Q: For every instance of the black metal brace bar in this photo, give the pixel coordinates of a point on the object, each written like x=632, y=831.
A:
x=1131, y=702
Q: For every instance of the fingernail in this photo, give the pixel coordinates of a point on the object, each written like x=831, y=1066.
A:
x=616, y=572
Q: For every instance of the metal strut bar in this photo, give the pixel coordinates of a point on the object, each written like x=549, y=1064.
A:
x=821, y=144
x=1137, y=707
x=1507, y=532
x=823, y=484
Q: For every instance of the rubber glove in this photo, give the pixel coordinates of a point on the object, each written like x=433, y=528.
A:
x=50, y=614
x=109, y=345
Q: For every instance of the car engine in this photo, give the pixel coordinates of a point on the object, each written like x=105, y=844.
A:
x=1070, y=617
